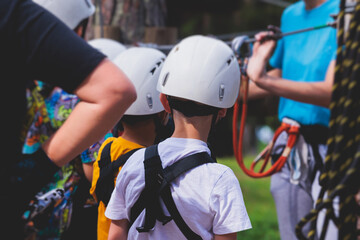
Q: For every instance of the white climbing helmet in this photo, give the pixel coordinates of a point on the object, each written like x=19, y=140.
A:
x=142, y=66
x=109, y=47
x=201, y=69
x=71, y=12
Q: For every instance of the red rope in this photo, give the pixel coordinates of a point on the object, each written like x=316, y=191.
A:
x=292, y=131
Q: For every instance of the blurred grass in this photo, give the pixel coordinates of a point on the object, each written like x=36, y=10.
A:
x=258, y=201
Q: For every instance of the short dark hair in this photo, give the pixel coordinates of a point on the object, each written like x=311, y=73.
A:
x=134, y=119
x=191, y=108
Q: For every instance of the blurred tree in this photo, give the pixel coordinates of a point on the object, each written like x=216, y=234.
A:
x=126, y=20
x=222, y=17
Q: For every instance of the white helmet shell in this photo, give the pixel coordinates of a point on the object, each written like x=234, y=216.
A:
x=142, y=66
x=109, y=47
x=201, y=69
x=71, y=12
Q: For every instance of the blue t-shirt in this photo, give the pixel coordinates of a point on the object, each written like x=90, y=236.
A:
x=305, y=57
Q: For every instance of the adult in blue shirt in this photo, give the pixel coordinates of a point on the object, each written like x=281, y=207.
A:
x=302, y=75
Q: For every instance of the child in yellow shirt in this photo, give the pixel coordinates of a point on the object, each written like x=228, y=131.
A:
x=140, y=123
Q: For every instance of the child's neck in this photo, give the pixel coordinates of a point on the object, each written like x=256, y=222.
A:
x=143, y=135
x=310, y=4
x=195, y=127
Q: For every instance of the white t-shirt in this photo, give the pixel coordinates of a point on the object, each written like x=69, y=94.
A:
x=208, y=197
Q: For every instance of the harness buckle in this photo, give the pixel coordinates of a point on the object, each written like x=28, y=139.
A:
x=144, y=229
x=290, y=122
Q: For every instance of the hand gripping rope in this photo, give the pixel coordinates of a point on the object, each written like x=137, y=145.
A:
x=341, y=174
x=291, y=127
x=242, y=48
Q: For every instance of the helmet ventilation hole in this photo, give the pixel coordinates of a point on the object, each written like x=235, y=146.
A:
x=165, y=79
x=153, y=70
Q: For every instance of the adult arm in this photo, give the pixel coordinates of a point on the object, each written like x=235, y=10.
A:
x=317, y=93
x=105, y=95
x=118, y=229
x=256, y=92
x=49, y=51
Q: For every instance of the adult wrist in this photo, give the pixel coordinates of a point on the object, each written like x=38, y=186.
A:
x=262, y=80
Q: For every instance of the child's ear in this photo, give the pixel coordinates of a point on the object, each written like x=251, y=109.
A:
x=165, y=103
x=79, y=31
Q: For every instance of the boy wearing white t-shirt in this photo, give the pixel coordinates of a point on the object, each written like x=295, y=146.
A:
x=199, y=80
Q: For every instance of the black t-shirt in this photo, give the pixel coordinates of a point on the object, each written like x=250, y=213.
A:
x=35, y=45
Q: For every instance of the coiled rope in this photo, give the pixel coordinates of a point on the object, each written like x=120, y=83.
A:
x=341, y=174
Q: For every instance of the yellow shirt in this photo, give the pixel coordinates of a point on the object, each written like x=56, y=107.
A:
x=119, y=147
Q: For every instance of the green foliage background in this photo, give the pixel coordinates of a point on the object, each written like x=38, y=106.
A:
x=259, y=203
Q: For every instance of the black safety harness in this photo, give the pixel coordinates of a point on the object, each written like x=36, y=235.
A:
x=157, y=185
x=108, y=171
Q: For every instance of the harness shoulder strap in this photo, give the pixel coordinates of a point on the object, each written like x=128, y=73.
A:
x=149, y=199
x=108, y=169
x=120, y=161
x=185, y=164
x=105, y=157
x=170, y=174
x=157, y=181
x=139, y=205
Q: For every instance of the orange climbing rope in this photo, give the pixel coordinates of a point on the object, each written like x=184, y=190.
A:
x=291, y=127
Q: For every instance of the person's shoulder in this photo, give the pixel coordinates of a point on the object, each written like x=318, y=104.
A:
x=221, y=168
x=125, y=145
x=14, y=6
x=108, y=140
x=14, y=15
x=135, y=160
x=334, y=5
x=294, y=8
x=220, y=176
x=218, y=170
